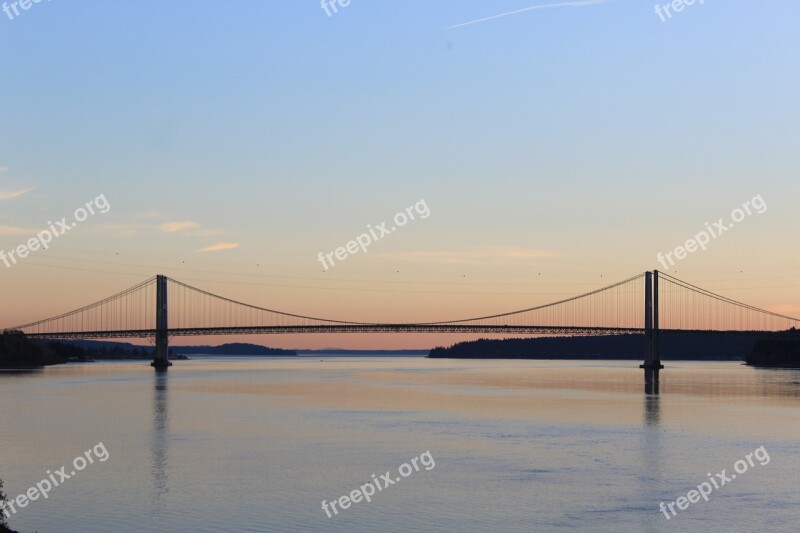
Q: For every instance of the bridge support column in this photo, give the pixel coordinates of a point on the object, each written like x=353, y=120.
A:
x=161, y=360
x=652, y=358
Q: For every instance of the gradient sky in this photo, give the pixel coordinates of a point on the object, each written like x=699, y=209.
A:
x=558, y=149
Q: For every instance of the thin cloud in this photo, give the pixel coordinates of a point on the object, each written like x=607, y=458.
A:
x=11, y=195
x=219, y=247
x=3, y=169
x=183, y=227
x=13, y=230
x=492, y=254
x=126, y=230
x=149, y=214
x=575, y=3
x=210, y=233
x=172, y=227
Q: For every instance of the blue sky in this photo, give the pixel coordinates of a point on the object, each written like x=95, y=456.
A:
x=582, y=139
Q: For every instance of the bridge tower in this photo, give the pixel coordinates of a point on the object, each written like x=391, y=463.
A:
x=652, y=357
x=161, y=360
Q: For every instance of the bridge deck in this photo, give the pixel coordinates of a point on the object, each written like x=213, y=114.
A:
x=382, y=328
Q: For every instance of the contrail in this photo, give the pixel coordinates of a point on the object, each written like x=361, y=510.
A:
x=575, y=3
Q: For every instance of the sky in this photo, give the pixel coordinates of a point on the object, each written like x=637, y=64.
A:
x=557, y=148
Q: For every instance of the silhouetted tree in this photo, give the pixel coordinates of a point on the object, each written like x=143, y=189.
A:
x=3, y=528
x=2, y=501
x=18, y=351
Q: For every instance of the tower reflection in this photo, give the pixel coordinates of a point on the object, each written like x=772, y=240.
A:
x=652, y=410
x=158, y=448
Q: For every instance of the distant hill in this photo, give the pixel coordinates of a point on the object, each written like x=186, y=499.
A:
x=343, y=351
x=689, y=346
x=126, y=350
x=234, y=348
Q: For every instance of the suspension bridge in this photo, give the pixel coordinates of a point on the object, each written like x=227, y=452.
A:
x=651, y=303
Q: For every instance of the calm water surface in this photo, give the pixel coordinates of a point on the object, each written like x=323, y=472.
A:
x=255, y=445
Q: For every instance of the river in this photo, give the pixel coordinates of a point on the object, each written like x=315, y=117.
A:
x=257, y=444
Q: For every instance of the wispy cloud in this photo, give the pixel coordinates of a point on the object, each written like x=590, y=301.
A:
x=188, y=228
x=11, y=195
x=3, y=169
x=490, y=254
x=575, y=3
x=126, y=230
x=171, y=227
x=13, y=230
x=150, y=214
x=210, y=233
x=219, y=247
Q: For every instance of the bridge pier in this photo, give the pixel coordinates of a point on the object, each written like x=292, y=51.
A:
x=652, y=357
x=161, y=361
